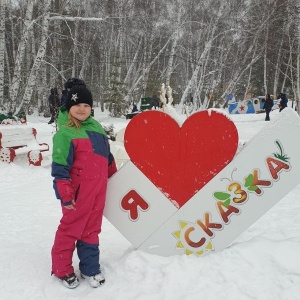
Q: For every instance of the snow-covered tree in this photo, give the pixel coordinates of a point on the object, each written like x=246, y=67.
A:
x=2, y=48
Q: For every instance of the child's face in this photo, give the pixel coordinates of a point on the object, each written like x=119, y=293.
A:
x=80, y=111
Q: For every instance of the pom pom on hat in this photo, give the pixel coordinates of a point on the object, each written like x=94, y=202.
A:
x=73, y=81
x=79, y=94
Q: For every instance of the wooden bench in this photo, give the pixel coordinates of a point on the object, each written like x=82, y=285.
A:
x=20, y=139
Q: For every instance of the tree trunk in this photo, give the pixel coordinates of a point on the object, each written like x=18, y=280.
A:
x=31, y=82
x=203, y=60
x=2, y=48
x=174, y=44
x=147, y=57
x=137, y=81
x=16, y=79
x=265, y=65
x=250, y=74
x=277, y=67
x=75, y=42
x=298, y=62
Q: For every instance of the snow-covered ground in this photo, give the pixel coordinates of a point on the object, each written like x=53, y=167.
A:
x=263, y=263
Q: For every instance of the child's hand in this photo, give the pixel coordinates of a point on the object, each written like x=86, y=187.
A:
x=70, y=206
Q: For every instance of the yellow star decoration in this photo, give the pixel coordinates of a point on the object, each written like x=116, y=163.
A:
x=180, y=245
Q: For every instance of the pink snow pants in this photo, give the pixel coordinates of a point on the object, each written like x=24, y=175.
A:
x=80, y=224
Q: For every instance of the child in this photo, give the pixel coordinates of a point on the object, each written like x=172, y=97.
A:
x=82, y=162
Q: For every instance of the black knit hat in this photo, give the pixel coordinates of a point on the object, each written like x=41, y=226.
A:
x=73, y=81
x=79, y=94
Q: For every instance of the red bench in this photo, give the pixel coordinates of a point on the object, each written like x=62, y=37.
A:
x=20, y=139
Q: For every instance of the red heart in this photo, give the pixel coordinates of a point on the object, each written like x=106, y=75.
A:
x=180, y=160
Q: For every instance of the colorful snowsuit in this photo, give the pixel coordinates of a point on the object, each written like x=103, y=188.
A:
x=82, y=162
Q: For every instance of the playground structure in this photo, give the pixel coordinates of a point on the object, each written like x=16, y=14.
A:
x=249, y=106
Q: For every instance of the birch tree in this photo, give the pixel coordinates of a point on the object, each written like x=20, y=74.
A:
x=198, y=46
x=2, y=48
x=277, y=66
x=31, y=82
x=298, y=57
x=16, y=79
x=201, y=60
x=175, y=38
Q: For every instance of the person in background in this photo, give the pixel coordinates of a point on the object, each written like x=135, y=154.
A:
x=283, y=101
x=54, y=104
x=154, y=102
x=81, y=165
x=134, y=108
x=63, y=99
x=268, y=106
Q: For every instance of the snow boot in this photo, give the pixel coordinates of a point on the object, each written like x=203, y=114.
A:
x=70, y=281
x=95, y=280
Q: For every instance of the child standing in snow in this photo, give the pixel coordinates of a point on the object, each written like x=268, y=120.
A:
x=81, y=165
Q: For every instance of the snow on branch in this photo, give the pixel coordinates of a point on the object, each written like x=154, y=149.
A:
x=68, y=18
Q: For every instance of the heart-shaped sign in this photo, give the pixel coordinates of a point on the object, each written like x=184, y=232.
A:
x=180, y=160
